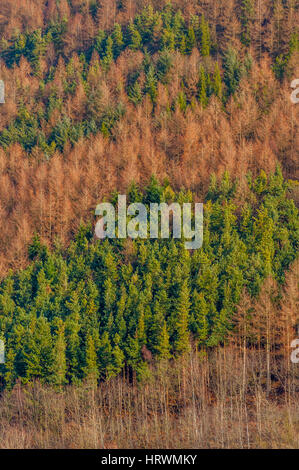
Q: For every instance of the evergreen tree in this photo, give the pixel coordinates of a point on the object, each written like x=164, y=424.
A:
x=91, y=371
x=199, y=321
x=118, y=40
x=163, y=346
x=117, y=356
x=72, y=328
x=203, y=99
x=190, y=40
x=181, y=331
x=135, y=40
x=108, y=56
x=168, y=40
x=232, y=71
x=151, y=84
x=105, y=357
x=135, y=93
x=59, y=354
x=247, y=11
x=205, y=37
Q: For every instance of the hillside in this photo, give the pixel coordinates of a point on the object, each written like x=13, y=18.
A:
x=102, y=93
x=143, y=343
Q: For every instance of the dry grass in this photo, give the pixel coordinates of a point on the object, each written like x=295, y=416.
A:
x=198, y=403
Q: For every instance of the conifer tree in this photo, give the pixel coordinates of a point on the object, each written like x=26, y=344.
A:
x=203, y=98
x=163, y=346
x=118, y=356
x=108, y=56
x=100, y=43
x=190, y=43
x=151, y=84
x=205, y=37
x=232, y=71
x=10, y=374
x=199, y=322
x=118, y=41
x=135, y=40
x=135, y=93
x=59, y=354
x=168, y=40
x=105, y=357
x=183, y=45
x=182, y=309
x=72, y=328
x=91, y=371
x=247, y=11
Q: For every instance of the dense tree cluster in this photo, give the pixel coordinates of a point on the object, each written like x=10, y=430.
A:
x=100, y=93
x=155, y=38
x=102, y=307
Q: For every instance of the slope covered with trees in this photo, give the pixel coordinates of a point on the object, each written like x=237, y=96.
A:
x=142, y=343
x=102, y=92
x=105, y=307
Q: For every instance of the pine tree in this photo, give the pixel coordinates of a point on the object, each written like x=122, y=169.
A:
x=59, y=355
x=183, y=45
x=168, y=40
x=163, y=67
x=10, y=374
x=133, y=353
x=135, y=40
x=182, y=309
x=91, y=370
x=105, y=357
x=159, y=310
x=190, y=40
x=120, y=326
x=205, y=37
x=109, y=304
x=232, y=71
x=163, y=346
x=117, y=356
x=135, y=93
x=72, y=328
x=203, y=98
x=108, y=56
x=199, y=323
x=182, y=101
x=118, y=41
x=247, y=11
x=151, y=84
x=100, y=43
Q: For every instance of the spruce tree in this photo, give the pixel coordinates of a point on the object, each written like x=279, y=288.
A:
x=190, y=43
x=199, y=321
x=108, y=55
x=91, y=370
x=59, y=354
x=232, y=71
x=135, y=40
x=205, y=38
x=163, y=345
x=181, y=325
x=247, y=11
x=118, y=40
x=203, y=98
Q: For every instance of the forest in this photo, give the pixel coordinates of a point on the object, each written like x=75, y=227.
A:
x=101, y=307
x=133, y=343
x=99, y=94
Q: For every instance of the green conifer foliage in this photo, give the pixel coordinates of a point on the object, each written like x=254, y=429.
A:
x=94, y=310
